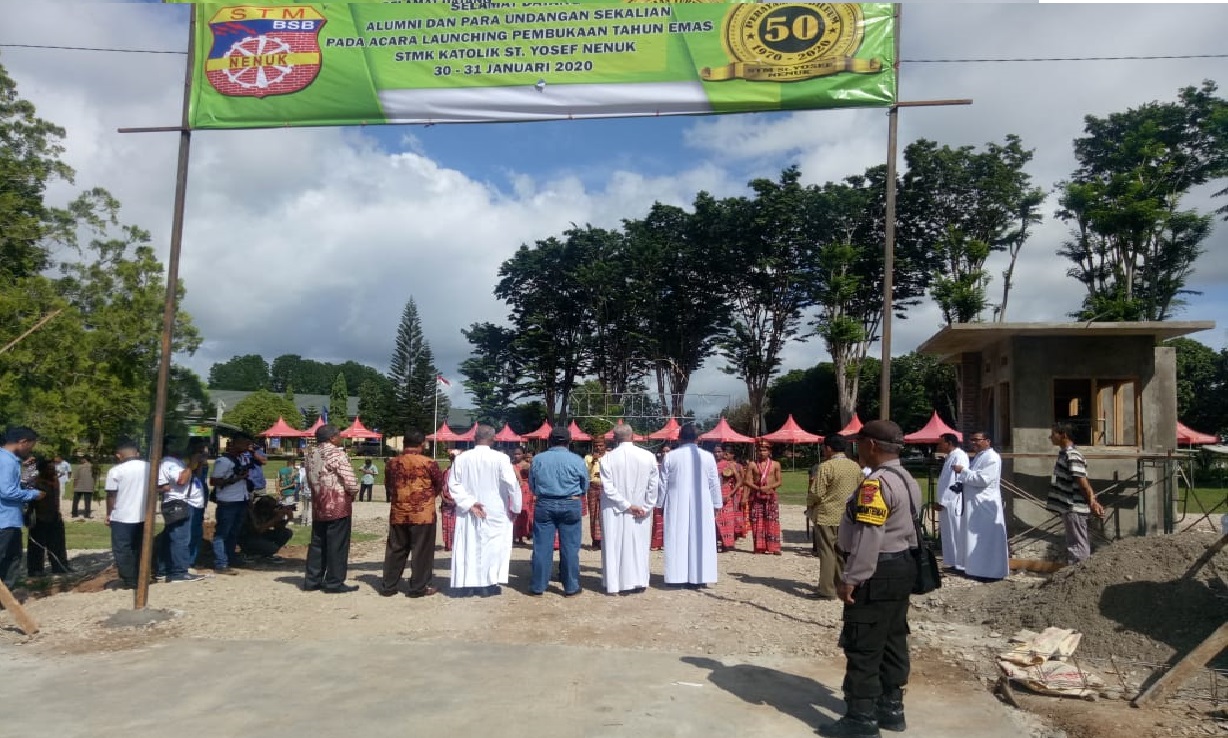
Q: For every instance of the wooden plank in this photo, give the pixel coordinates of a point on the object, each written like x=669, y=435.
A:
x=1207, y=555
x=1193, y=661
x=28, y=625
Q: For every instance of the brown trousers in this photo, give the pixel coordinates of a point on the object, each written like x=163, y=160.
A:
x=413, y=542
x=831, y=566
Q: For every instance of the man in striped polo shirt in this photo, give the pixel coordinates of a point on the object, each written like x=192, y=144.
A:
x=1070, y=494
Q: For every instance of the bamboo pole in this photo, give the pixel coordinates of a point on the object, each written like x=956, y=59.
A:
x=893, y=123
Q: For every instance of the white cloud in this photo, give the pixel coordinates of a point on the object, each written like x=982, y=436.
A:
x=310, y=241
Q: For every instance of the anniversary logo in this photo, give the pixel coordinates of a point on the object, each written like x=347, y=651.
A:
x=792, y=42
x=262, y=51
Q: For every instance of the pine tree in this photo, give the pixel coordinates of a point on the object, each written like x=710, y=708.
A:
x=412, y=374
x=338, y=412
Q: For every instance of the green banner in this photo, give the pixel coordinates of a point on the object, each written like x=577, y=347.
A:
x=274, y=65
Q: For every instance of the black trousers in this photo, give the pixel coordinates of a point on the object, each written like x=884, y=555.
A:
x=364, y=492
x=10, y=556
x=46, y=544
x=76, y=501
x=328, y=556
x=417, y=543
x=875, y=634
x=267, y=543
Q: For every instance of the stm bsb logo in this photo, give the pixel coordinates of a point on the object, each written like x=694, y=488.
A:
x=259, y=51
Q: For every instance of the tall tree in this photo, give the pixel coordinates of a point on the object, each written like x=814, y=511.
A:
x=608, y=278
x=1202, y=385
x=338, y=402
x=964, y=204
x=246, y=373
x=373, y=402
x=675, y=267
x=1132, y=246
x=411, y=376
x=769, y=244
x=493, y=371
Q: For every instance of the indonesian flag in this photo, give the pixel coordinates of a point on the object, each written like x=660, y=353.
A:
x=439, y=378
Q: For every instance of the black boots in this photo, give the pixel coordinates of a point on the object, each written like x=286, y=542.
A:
x=891, y=710
x=859, y=721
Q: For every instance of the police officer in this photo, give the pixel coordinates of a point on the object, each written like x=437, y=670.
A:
x=876, y=533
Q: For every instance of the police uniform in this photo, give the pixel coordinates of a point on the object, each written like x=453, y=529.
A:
x=876, y=532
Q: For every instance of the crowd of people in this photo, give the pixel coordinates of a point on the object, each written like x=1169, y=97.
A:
x=692, y=503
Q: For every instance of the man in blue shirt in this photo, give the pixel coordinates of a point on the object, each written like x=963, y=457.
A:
x=558, y=480
x=18, y=445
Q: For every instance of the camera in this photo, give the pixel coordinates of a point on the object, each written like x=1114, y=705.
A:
x=958, y=488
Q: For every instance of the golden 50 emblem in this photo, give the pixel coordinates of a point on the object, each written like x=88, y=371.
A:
x=791, y=42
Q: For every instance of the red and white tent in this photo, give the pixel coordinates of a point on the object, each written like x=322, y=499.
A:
x=1190, y=437
x=577, y=434
x=282, y=429
x=609, y=435
x=932, y=431
x=852, y=428
x=358, y=430
x=791, y=432
x=722, y=433
x=540, y=434
x=507, y=435
x=311, y=432
x=443, y=435
x=469, y=435
x=668, y=432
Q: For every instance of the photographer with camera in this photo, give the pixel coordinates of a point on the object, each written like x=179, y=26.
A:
x=230, y=486
x=264, y=529
x=951, y=501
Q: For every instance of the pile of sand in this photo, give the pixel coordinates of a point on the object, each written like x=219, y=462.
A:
x=1129, y=600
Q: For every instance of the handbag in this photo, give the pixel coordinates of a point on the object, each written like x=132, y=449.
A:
x=174, y=511
x=929, y=578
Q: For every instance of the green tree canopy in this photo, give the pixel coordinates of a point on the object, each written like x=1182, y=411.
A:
x=246, y=373
x=260, y=410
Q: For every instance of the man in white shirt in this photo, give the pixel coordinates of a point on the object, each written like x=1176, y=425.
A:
x=181, y=492
x=951, y=522
x=63, y=472
x=125, y=487
x=629, y=488
x=487, y=494
x=986, y=550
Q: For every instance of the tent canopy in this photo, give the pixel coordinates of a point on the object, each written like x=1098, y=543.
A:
x=932, y=431
x=791, y=432
x=469, y=435
x=282, y=429
x=668, y=432
x=609, y=435
x=852, y=428
x=443, y=435
x=311, y=432
x=722, y=433
x=577, y=434
x=1190, y=437
x=358, y=430
x=507, y=435
x=540, y=434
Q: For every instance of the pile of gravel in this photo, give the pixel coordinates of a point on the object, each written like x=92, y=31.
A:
x=1129, y=599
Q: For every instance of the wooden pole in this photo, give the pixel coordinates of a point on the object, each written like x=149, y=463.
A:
x=1192, y=661
x=168, y=330
x=28, y=625
x=884, y=391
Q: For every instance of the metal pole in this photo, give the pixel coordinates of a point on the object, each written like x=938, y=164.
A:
x=884, y=392
x=168, y=329
x=435, y=443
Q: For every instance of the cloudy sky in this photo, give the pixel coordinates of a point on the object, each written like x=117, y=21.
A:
x=310, y=241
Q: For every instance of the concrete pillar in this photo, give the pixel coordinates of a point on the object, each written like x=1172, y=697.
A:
x=969, y=372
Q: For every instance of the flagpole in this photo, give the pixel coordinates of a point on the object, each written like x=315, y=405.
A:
x=435, y=427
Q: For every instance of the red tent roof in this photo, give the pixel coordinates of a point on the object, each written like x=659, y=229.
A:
x=791, y=432
x=311, y=432
x=853, y=427
x=609, y=435
x=358, y=430
x=668, y=432
x=577, y=434
x=507, y=435
x=469, y=435
x=282, y=429
x=932, y=431
x=724, y=434
x=443, y=435
x=540, y=434
x=1189, y=436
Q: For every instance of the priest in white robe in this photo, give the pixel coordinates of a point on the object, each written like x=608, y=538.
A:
x=690, y=496
x=951, y=521
x=986, y=552
x=487, y=495
x=629, y=489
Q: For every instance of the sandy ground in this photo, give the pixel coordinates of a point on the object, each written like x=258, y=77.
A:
x=760, y=609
